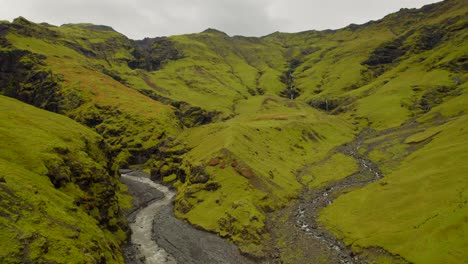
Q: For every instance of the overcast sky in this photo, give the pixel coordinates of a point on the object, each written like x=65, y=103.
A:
x=149, y=18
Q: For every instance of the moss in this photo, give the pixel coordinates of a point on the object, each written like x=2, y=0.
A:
x=121, y=161
x=238, y=189
x=218, y=105
x=170, y=178
x=57, y=188
x=414, y=202
x=319, y=173
x=119, y=113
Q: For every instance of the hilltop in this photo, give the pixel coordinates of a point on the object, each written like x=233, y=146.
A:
x=250, y=129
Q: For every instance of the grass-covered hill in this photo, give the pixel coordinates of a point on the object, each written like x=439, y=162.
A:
x=244, y=127
x=58, y=202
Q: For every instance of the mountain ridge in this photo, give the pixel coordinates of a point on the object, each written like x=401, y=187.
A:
x=248, y=127
x=424, y=8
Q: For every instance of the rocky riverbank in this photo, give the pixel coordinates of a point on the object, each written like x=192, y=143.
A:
x=172, y=240
x=297, y=237
x=149, y=197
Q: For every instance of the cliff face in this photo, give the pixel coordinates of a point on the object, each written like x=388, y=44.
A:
x=242, y=127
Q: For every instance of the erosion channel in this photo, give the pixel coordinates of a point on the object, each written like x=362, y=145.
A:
x=297, y=236
x=159, y=237
x=307, y=210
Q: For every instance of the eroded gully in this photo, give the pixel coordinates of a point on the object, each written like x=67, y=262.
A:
x=307, y=210
x=305, y=216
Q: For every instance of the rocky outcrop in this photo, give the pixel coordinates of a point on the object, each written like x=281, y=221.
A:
x=192, y=116
x=153, y=53
x=188, y=115
x=21, y=77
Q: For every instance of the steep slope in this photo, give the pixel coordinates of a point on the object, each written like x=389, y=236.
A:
x=422, y=197
x=71, y=70
x=388, y=64
x=245, y=128
x=405, y=69
x=411, y=89
x=58, y=202
x=218, y=71
x=232, y=178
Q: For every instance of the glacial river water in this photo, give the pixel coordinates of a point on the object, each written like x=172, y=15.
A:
x=142, y=227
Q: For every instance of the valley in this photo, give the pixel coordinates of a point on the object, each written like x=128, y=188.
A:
x=334, y=146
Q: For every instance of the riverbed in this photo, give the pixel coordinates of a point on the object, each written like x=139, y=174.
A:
x=159, y=237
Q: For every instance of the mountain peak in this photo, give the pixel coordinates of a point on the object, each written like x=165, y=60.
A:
x=21, y=20
x=213, y=31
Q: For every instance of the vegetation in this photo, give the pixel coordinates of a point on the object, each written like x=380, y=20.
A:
x=244, y=175
x=58, y=201
x=242, y=127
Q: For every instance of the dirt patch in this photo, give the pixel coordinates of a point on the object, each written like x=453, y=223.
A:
x=213, y=162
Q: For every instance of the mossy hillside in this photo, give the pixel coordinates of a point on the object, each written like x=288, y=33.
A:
x=423, y=197
x=217, y=71
x=358, y=91
x=234, y=175
x=422, y=161
x=408, y=66
x=97, y=41
x=423, y=179
x=328, y=72
x=59, y=202
x=404, y=91
x=325, y=66
x=130, y=122
x=21, y=77
x=417, y=84
x=40, y=223
x=202, y=78
x=268, y=62
x=213, y=63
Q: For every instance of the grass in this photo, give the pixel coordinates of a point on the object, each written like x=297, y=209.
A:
x=335, y=167
x=254, y=176
x=128, y=120
x=39, y=222
x=423, y=197
x=30, y=135
x=48, y=225
x=263, y=149
x=422, y=194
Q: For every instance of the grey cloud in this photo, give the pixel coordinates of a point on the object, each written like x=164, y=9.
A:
x=146, y=18
x=334, y=14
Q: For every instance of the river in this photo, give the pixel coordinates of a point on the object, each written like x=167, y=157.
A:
x=159, y=237
x=143, y=224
